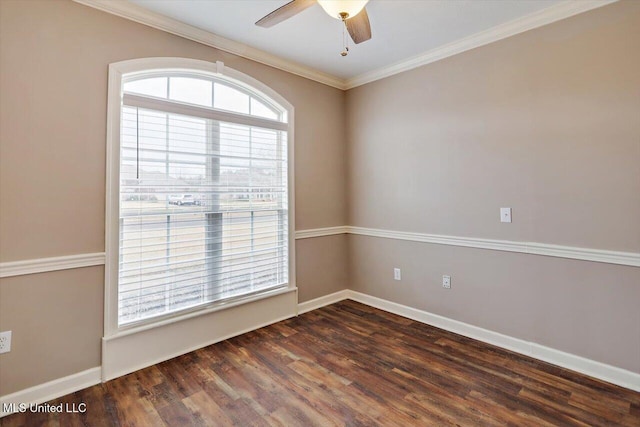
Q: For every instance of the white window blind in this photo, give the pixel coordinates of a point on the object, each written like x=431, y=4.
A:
x=203, y=196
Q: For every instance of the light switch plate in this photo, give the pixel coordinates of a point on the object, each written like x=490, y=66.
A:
x=5, y=342
x=505, y=214
x=446, y=282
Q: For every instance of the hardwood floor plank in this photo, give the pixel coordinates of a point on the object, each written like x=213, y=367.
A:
x=132, y=408
x=449, y=413
x=635, y=410
x=527, y=371
x=348, y=364
x=337, y=403
x=100, y=403
x=501, y=412
x=610, y=408
x=205, y=408
x=177, y=414
x=575, y=415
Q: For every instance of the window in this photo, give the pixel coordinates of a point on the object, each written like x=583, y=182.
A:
x=202, y=192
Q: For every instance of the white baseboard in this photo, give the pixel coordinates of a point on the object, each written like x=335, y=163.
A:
x=52, y=389
x=624, y=378
x=130, y=352
x=322, y=301
x=118, y=359
x=612, y=374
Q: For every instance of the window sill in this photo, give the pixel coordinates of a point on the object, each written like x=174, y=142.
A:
x=196, y=312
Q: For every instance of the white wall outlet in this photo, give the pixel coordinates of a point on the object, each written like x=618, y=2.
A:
x=5, y=342
x=505, y=214
x=446, y=282
x=397, y=274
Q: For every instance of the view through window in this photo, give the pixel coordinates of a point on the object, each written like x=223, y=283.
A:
x=203, y=194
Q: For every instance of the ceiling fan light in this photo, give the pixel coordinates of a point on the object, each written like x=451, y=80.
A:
x=335, y=7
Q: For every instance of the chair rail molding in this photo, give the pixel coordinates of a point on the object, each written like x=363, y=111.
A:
x=531, y=248
x=321, y=232
x=44, y=265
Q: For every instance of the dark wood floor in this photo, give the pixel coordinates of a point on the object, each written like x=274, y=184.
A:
x=348, y=364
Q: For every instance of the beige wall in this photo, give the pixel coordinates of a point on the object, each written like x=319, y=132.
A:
x=54, y=56
x=318, y=260
x=547, y=123
x=585, y=308
x=56, y=324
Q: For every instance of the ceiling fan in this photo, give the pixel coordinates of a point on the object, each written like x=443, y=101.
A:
x=351, y=12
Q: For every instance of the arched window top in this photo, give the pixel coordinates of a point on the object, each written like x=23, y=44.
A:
x=199, y=191
x=203, y=84
x=205, y=91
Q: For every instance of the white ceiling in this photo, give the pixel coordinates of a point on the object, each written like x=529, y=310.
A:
x=406, y=33
x=401, y=28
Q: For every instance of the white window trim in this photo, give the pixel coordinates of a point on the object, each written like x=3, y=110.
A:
x=117, y=72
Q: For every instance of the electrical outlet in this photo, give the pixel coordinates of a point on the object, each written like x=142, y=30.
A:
x=446, y=282
x=5, y=342
x=505, y=214
x=397, y=274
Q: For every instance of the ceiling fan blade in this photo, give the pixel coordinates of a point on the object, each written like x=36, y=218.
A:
x=285, y=12
x=359, y=27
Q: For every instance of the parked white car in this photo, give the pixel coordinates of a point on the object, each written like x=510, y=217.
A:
x=183, y=199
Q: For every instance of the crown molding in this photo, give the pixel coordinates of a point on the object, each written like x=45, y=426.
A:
x=144, y=16
x=543, y=17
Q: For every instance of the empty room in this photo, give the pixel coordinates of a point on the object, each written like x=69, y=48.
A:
x=319, y=213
